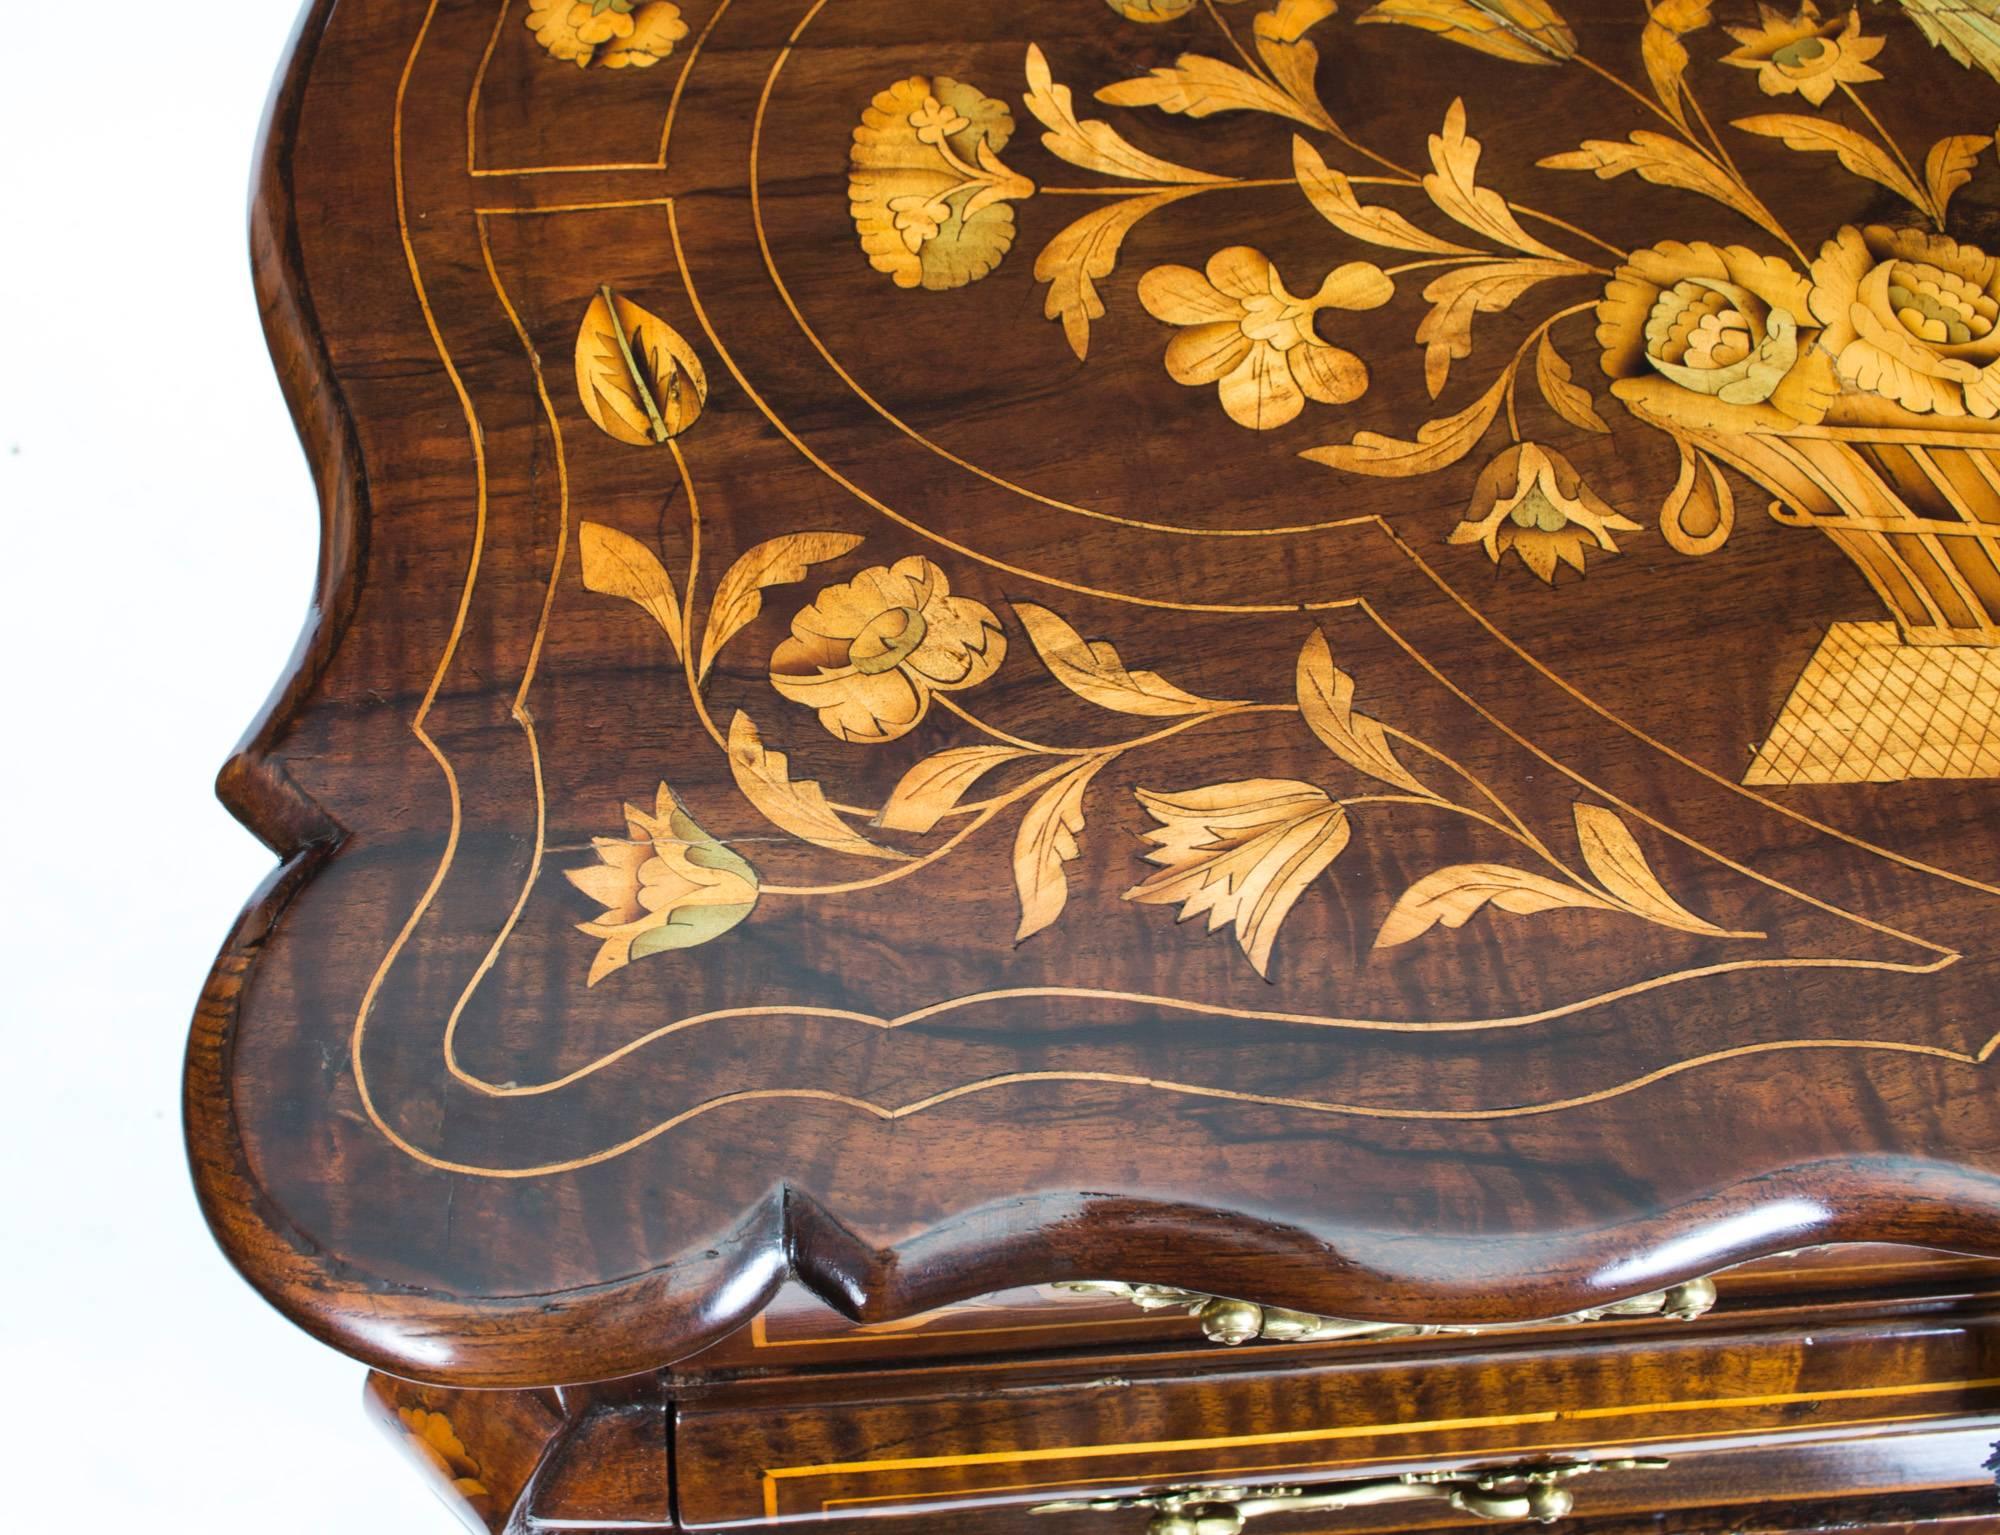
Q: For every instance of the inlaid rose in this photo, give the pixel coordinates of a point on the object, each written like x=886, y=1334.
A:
x=869, y=653
x=1710, y=336
x=1911, y=316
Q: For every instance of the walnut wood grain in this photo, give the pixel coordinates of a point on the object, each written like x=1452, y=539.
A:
x=800, y=1333
x=1778, y=1411
x=480, y=1451
x=462, y=1140
x=1002, y=1432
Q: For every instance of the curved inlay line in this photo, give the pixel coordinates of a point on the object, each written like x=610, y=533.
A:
x=1166, y=1085
x=418, y=728
x=902, y=519
x=657, y=163
x=1914, y=864
x=476, y=438
x=940, y=1009
x=854, y=385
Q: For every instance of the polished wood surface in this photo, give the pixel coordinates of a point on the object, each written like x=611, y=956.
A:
x=863, y=1445
x=1781, y=1409
x=967, y=647
x=478, y=1451
x=799, y=1332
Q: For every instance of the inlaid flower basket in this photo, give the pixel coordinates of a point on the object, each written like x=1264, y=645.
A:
x=1916, y=508
x=1862, y=399
x=1851, y=371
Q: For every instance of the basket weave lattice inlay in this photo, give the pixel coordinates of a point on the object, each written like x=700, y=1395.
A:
x=1872, y=709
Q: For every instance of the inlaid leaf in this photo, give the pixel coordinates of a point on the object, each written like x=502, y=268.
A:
x=1092, y=670
x=1198, y=86
x=1084, y=251
x=1291, y=57
x=796, y=806
x=1453, y=185
x=1438, y=443
x=639, y=381
x=1092, y=144
x=618, y=565
x=1242, y=853
x=1332, y=194
x=1326, y=703
x=1566, y=398
x=1524, y=31
x=1454, y=895
x=1680, y=16
x=1044, y=843
x=934, y=786
x=1862, y=156
x=1949, y=166
x=1665, y=55
x=1968, y=32
x=1666, y=61
x=1615, y=857
x=1195, y=85
x=775, y=562
x=1458, y=295
x=1664, y=162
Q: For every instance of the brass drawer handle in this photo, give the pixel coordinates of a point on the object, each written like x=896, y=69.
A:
x=1535, y=1491
x=1240, y=1321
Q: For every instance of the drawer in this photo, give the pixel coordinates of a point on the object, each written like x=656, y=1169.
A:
x=799, y=1332
x=1910, y=1479
x=1770, y=1412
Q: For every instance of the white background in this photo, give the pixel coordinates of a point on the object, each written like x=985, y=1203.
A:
x=159, y=535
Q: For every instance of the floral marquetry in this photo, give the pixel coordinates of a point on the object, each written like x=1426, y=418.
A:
x=1531, y=501
x=1243, y=331
x=607, y=34
x=665, y=885
x=930, y=195
x=1337, y=654
x=1152, y=10
x=1911, y=316
x=868, y=654
x=1805, y=53
x=1520, y=31
x=432, y=1439
x=1703, y=334
x=638, y=378
x=1241, y=854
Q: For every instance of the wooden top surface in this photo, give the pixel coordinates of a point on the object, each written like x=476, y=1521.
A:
x=1345, y=657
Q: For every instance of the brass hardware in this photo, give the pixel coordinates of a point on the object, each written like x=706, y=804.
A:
x=1240, y=1321
x=1534, y=1491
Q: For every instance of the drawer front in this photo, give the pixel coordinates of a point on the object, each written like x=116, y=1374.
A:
x=799, y=1332
x=1907, y=1478
x=908, y=1444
